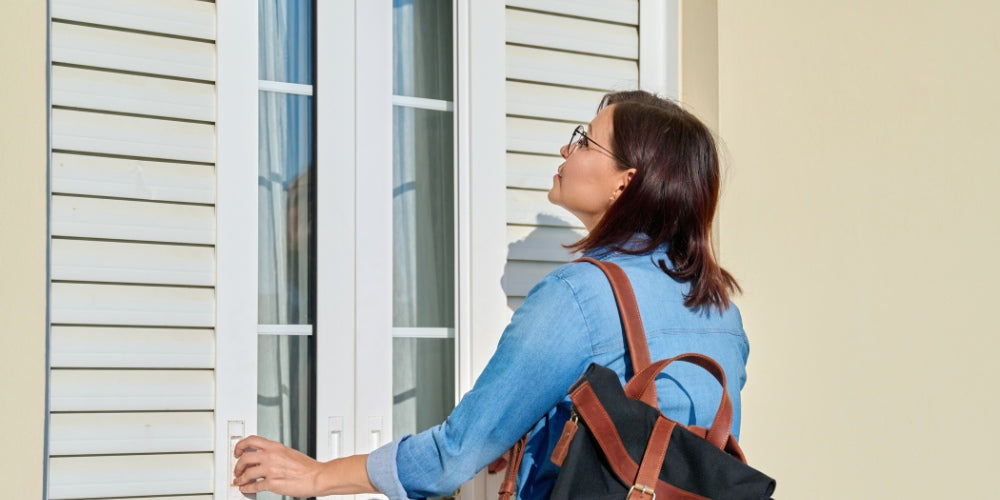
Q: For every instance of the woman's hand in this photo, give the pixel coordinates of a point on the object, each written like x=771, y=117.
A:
x=266, y=465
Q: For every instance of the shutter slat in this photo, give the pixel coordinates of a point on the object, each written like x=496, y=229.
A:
x=118, y=347
x=537, y=136
x=564, y=33
x=531, y=171
x=123, y=433
x=190, y=18
x=577, y=70
x=132, y=220
x=544, y=244
x=131, y=390
x=125, y=93
x=533, y=208
x=555, y=103
x=120, y=50
x=520, y=277
x=112, y=49
x=116, y=262
x=130, y=475
x=619, y=11
x=132, y=136
x=128, y=178
x=131, y=305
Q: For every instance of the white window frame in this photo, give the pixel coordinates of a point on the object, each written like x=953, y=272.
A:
x=236, y=217
x=659, y=30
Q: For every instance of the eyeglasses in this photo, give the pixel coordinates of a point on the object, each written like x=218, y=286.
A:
x=580, y=138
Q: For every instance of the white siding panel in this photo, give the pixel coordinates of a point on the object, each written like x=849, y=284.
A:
x=555, y=103
x=520, y=277
x=533, y=208
x=541, y=243
x=130, y=475
x=116, y=262
x=128, y=178
x=122, y=433
x=565, y=33
x=131, y=390
x=191, y=18
x=120, y=347
x=126, y=93
x=531, y=171
x=185, y=497
x=90, y=304
x=141, y=53
x=132, y=136
x=563, y=68
x=619, y=11
x=537, y=136
x=132, y=220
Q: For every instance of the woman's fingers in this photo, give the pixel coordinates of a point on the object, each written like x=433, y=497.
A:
x=255, y=442
x=255, y=487
x=268, y=465
x=248, y=460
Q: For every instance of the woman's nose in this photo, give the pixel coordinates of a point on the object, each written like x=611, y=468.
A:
x=564, y=151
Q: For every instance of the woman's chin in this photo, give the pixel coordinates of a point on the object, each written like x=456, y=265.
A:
x=553, y=197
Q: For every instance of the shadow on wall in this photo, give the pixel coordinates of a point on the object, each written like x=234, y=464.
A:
x=535, y=254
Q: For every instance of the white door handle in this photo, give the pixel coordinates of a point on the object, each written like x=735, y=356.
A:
x=235, y=431
x=336, y=429
x=374, y=432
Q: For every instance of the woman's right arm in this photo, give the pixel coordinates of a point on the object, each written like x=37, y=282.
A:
x=541, y=353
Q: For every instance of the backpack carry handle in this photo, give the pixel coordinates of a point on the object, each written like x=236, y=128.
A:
x=644, y=382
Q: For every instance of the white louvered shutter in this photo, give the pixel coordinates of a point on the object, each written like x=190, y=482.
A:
x=562, y=57
x=132, y=259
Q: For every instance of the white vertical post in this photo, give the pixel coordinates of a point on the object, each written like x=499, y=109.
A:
x=480, y=102
x=659, y=47
x=335, y=230
x=373, y=246
x=236, y=242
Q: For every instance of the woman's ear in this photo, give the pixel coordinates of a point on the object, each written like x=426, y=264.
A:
x=626, y=177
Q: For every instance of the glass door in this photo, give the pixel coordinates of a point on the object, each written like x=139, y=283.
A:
x=423, y=224
x=286, y=225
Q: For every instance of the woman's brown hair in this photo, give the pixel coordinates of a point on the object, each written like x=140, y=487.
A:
x=672, y=196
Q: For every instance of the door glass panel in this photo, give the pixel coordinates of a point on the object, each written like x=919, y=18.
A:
x=423, y=269
x=422, y=48
x=286, y=264
x=285, y=29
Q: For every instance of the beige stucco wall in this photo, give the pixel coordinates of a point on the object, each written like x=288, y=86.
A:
x=22, y=246
x=861, y=213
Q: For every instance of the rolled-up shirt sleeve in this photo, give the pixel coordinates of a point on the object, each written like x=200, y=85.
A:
x=543, y=350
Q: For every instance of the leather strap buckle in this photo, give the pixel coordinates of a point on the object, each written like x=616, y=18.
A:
x=642, y=489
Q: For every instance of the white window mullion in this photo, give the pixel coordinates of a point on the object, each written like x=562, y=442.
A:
x=335, y=238
x=285, y=87
x=373, y=247
x=236, y=230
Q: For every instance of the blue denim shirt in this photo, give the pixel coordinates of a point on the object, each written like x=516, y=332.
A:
x=566, y=322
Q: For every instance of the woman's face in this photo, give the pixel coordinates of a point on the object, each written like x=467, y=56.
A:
x=589, y=180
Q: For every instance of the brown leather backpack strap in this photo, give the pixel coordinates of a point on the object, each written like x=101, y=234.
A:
x=628, y=309
x=718, y=433
x=508, y=487
x=644, y=487
x=635, y=337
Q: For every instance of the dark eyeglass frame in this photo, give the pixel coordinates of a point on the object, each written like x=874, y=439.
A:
x=585, y=139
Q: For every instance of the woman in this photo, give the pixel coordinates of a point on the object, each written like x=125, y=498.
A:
x=644, y=180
